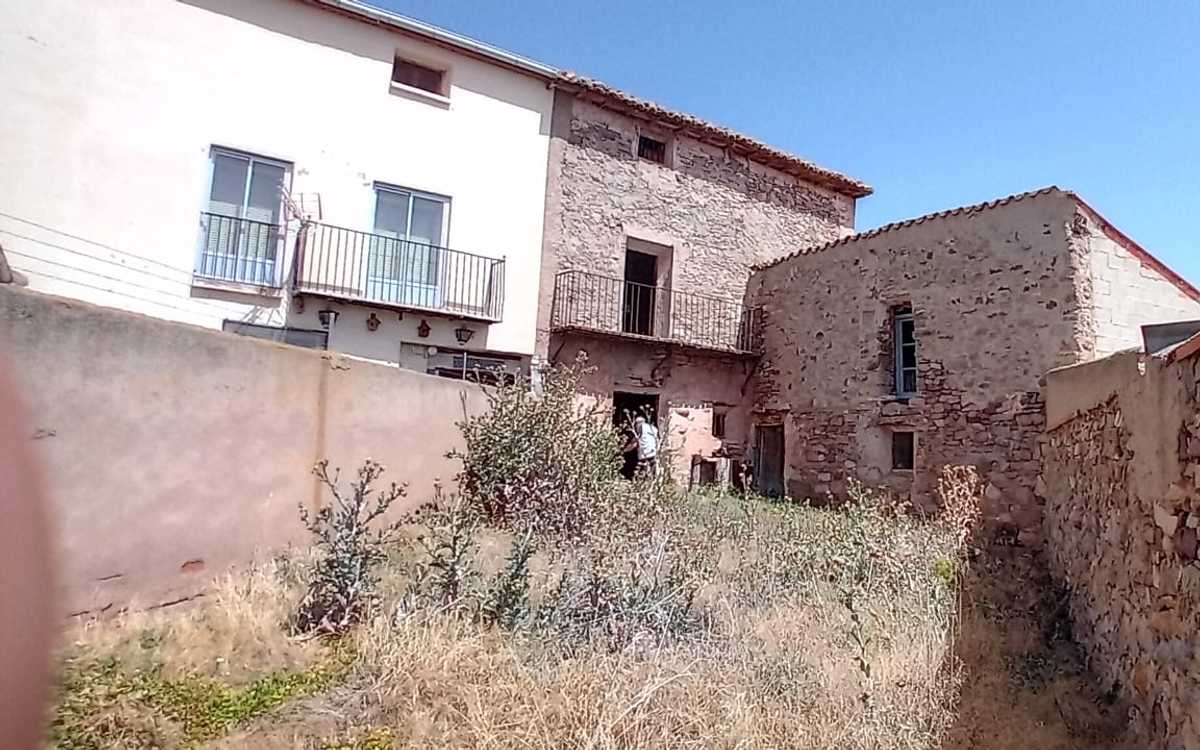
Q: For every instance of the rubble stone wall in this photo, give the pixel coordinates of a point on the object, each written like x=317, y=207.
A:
x=714, y=213
x=996, y=296
x=690, y=384
x=1122, y=518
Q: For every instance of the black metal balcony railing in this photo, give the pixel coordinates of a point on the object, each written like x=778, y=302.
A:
x=240, y=250
x=374, y=268
x=602, y=304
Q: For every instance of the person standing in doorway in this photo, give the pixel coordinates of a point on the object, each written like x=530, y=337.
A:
x=647, y=438
x=629, y=451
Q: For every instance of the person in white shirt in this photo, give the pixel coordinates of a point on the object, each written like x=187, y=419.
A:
x=647, y=440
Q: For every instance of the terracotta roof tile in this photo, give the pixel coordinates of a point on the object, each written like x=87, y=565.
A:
x=1116, y=235
x=975, y=208
x=751, y=148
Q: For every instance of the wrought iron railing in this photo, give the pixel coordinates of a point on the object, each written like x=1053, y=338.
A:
x=602, y=304
x=240, y=250
x=365, y=267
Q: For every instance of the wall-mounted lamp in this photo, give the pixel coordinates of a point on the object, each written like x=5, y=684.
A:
x=463, y=334
x=372, y=323
x=423, y=329
x=328, y=318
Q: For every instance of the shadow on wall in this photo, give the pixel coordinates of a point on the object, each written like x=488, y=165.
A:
x=331, y=28
x=1025, y=682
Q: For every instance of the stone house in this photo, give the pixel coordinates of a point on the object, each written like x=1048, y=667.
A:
x=653, y=222
x=893, y=352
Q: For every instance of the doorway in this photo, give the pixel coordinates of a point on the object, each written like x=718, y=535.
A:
x=626, y=407
x=768, y=464
x=641, y=276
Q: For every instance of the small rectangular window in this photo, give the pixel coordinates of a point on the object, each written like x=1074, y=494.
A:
x=652, y=149
x=718, y=425
x=904, y=351
x=904, y=451
x=417, y=76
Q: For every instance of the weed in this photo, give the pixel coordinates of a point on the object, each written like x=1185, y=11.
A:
x=352, y=543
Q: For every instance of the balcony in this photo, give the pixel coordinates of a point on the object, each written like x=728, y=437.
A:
x=396, y=273
x=600, y=304
x=241, y=251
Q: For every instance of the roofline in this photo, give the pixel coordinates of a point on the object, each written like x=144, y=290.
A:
x=1139, y=252
x=870, y=233
x=1109, y=229
x=1186, y=350
x=439, y=36
x=738, y=143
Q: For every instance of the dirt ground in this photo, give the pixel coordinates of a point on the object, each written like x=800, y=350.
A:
x=1025, y=682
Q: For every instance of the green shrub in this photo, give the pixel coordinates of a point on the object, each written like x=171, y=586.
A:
x=352, y=540
x=542, y=461
x=507, y=600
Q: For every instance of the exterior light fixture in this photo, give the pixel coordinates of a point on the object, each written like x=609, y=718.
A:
x=423, y=329
x=327, y=318
x=463, y=334
x=373, y=323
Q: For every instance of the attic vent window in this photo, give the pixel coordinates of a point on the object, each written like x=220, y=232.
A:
x=407, y=73
x=651, y=149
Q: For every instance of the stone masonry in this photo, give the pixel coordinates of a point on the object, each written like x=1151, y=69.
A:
x=718, y=213
x=1001, y=293
x=1122, y=472
x=996, y=305
x=709, y=214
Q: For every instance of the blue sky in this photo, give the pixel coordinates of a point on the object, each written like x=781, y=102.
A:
x=936, y=105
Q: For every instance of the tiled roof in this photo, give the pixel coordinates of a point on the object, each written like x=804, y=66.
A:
x=743, y=145
x=1116, y=235
x=739, y=144
x=909, y=223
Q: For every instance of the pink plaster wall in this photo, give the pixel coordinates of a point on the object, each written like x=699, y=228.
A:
x=171, y=451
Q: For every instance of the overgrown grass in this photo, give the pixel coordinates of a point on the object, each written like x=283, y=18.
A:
x=762, y=656
x=554, y=605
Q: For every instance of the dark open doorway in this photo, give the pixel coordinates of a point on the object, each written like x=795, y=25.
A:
x=626, y=407
x=641, y=274
x=768, y=463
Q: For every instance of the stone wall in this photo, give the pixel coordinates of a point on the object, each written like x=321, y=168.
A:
x=169, y=450
x=1128, y=291
x=718, y=214
x=994, y=294
x=1122, y=474
x=689, y=383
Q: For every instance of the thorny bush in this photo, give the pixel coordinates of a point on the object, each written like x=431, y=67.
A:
x=540, y=460
x=351, y=543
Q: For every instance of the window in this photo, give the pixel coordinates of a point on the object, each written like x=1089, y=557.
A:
x=241, y=232
x=404, y=263
x=652, y=149
x=718, y=424
x=308, y=339
x=407, y=73
x=904, y=451
x=487, y=370
x=904, y=351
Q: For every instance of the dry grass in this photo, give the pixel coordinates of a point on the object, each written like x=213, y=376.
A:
x=772, y=658
x=781, y=677
x=777, y=671
x=235, y=632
